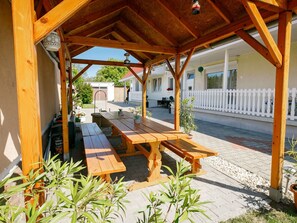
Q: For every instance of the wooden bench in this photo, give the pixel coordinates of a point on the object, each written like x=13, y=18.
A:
x=191, y=151
x=101, y=158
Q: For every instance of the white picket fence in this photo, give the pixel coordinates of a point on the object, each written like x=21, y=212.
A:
x=255, y=102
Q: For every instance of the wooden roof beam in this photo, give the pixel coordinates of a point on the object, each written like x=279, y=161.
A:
x=119, y=35
x=221, y=10
x=56, y=17
x=185, y=24
x=106, y=63
x=80, y=50
x=224, y=32
x=292, y=5
x=263, y=30
x=81, y=72
x=135, y=74
x=145, y=18
x=186, y=63
x=157, y=59
x=88, y=41
x=272, y=5
x=79, y=24
x=171, y=69
x=136, y=32
x=256, y=45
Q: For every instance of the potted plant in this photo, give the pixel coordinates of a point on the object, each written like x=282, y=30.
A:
x=80, y=116
x=186, y=116
x=293, y=170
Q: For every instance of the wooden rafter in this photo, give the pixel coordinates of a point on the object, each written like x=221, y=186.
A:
x=272, y=5
x=256, y=45
x=88, y=41
x=136, y=31
x=224, y=32
x=107, y=63
x=221, y=10
x=39, y=9
x=135, y=74
x=55, y=17
x=157, y=60
x=292, y=5
x=139, y=56
x=145, y=18
x=81, y=72
x=170, y=68
x=186, y=63
x=263, y=30
x=74, y=51
x=167, y=5
x=79, y=24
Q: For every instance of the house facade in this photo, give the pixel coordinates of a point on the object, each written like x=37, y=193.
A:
x=49, y=93
x=230, y=80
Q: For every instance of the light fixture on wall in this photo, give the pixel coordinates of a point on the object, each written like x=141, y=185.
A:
x=195, y=7
x=127, y=61
x=52, y=42
x=200, y=69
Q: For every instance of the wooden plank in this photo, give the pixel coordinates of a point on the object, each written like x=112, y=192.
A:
x=135, y=74
x=157, y=59
x=128, y=133
x=27, y=85
x=177, y=95
x=281, y=100
x=186, y=63
x=256, y=45
x=90, y=41
x=64, y=102
x=180, y=19
x=143, y=82
x=272, y=5
x=81, y=72
x=263, y=30
x=221, y=10
x=224, y=32
x=146, y=19
x=105, y=63
x=170, y=68
x=137, y=128
x=57, y=16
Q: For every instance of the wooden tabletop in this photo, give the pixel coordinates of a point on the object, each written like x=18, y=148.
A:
x=116, y=115
x=145, y=132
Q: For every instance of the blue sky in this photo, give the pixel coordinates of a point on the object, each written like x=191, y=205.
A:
x=100, y=53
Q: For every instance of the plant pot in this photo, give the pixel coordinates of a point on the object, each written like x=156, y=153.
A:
x=190, y=136
x=293, y=189
x=137, y=121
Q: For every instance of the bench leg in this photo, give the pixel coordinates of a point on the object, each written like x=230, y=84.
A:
x=106, y=177
x=196, y=166
x=154, y=162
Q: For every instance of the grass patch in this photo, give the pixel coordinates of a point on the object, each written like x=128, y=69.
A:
x=88, y=105
x=279, y=213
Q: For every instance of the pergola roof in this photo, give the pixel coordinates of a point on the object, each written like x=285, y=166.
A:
x=157, y=29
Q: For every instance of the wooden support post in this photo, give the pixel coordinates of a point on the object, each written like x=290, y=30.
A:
x=27, y=84
x=144, y=78
x=70, y=88
x=177, y=94
x=27, y=87
x=64, y=102
x=280, y=105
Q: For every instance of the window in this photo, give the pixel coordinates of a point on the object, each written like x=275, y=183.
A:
x=215, y=80
x=157, y=84
x=191, y=76
x=170, y=84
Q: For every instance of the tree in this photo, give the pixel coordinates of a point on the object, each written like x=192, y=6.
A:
x=84, y=91
x=111, y=74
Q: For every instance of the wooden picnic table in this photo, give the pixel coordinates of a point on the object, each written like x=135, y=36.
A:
x=148, y=131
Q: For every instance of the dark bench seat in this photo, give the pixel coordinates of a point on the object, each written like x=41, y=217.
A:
x=189, y=150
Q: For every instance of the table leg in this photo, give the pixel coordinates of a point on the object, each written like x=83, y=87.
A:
x=130, y=147
x=154, y=162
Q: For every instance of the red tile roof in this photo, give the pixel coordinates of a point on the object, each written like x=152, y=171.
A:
x=129, y=74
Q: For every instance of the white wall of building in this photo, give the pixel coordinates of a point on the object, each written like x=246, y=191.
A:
x=108, y=85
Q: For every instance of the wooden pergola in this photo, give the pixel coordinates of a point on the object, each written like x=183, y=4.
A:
x=153, y=32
